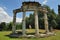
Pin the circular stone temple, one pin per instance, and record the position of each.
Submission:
(35, 7)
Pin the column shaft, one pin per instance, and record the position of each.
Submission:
(46, 22)
(24, 24)
(36, 23)
(14, 23)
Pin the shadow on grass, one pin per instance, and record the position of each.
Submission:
(18, 34)
(14, 35)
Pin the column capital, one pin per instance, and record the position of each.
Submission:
(24, 10)
(40, 9)
(45, 10)
(14, 12)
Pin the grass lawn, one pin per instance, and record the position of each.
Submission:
(3, 37)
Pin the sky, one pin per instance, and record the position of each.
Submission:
(10, 5)
(4, 17)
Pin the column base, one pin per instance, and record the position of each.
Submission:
(51, 33)
(37, 35)
(24, 35)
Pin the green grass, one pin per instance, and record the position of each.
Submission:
(3, 37)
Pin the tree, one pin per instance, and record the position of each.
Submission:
(9, 26)
(30, 21)
(3, 26)
(58, 21)
(51, 19)
(18, 26)
(40, 19)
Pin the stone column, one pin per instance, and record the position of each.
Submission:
(14, 22)
(24, 24)
(46, 22)
(36, 23)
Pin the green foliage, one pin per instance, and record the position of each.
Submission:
(30, 21)
(3, 26)
(51, 18)
(58, 21)
(18, 25)
(9, 26)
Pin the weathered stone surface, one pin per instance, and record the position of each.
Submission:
(24, 24)
(36, 23)
(14, 22)
(46, 22)
(51, 34)
(30, 36)
(31, 6)
(43, 35)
